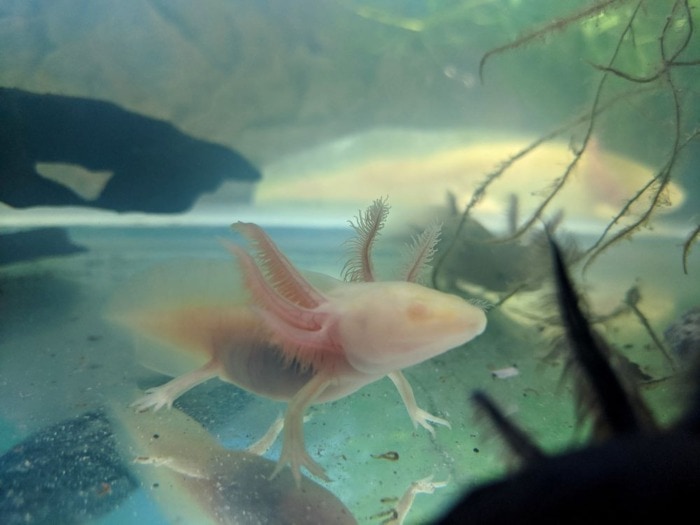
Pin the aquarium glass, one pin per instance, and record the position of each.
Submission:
(402, 160)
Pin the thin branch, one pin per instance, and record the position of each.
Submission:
(686, 247)
(661, 179)
(671, 47)
(590, 119)
(632, 299)
(556, 25)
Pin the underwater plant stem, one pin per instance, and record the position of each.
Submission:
(661, 180)
(594, 111)
(686, 247)
(663, 177)
(480, 191)
(556, 25)
(675, 38)
(667, 61)
(509, 294)
(491, 177)
(632, 304)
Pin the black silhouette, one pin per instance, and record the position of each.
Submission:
(637, 472)
(156, 168)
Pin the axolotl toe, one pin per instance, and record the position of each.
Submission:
(307, 338)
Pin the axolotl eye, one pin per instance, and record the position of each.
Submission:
(404, 325)
(418, 311)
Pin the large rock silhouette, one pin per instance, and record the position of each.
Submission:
(153, 166)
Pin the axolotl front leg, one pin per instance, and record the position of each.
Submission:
(418, 415)
(294, 451)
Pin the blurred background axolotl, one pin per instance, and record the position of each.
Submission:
(302, 338)
(199, 481)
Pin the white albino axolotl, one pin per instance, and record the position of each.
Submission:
(308, 338)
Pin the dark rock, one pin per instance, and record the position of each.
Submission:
(683, 336)
(155, 167)
(34, 244)
(67, 473)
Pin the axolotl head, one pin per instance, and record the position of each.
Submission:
(387, 326)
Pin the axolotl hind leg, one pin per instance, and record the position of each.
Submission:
(164, 395)
(293, 448)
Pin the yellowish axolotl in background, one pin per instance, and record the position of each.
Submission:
(302, 338)
(194, 479)
(199, 481)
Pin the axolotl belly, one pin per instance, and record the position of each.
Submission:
(304, 338)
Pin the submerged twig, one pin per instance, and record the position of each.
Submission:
(673, 42)
(632, 298)
(686, 247)
(556, 25)
(667, 61)
(588, 118)
(494, 175)
(663, 177)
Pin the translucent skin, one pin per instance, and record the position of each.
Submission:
(307, 339)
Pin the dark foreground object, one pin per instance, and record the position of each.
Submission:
(637, 473)
(647, 479)
(156, 168)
